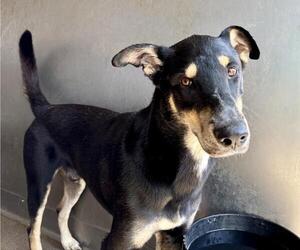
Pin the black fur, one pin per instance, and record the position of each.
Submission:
(136, 164)
(30, 75)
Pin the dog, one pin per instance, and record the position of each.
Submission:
(146, 168)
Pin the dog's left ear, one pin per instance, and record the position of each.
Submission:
(241, 40)
(149, 56)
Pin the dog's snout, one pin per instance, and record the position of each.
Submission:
(233, 136)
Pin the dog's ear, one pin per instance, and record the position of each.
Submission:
(241, 40)
(149, 56)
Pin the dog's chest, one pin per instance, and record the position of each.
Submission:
(187, 196)
(166, 222)
(190, 177)
(174, 209)
(177, 212)
(145, 228)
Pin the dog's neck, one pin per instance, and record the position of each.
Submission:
(171, 149)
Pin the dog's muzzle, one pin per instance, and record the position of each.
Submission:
(234, 136)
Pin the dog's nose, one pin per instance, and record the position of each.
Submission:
(232, 136)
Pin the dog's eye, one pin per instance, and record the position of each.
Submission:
(185, 81)
(232, 71)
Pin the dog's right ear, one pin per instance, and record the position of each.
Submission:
(149, 56)
(241, 40)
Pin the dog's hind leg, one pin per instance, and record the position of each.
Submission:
(36, 214)
(41, 166)
(73, 188)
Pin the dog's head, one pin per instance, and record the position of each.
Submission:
(202, 79)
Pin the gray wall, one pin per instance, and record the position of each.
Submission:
(74, 43)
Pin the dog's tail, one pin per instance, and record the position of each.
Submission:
(36, 98)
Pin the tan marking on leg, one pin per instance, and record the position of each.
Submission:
(35, 231)
(141, 233)
(223, 60)
(143, 230)
(166, 242)
(191, 70)
(72, 192)
(159, 240)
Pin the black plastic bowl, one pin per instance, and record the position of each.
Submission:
(239, 232)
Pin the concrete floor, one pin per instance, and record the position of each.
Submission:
(14, 236)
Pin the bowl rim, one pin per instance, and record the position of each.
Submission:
(227, 221)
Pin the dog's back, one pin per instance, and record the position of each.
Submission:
(73, 127)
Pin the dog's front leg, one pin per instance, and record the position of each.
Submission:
(116, 239)
(126, 234)
(170, 240)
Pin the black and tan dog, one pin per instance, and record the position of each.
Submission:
(147, 168)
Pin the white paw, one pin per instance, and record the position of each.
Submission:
(35, 243)
(70, 244)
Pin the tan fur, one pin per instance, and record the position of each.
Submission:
(151, 62)
(72, 192)
(172, 104)
(191, 120)
(164, 223)
(240, 44)
(192, 143)
(152, 65)
(159, 241)
(165, 242)
(223, 60)
(244, 56)
(191, 70)
(142, 234)
(35, 233)
(239, 104)
(193, 123)
(132, 55)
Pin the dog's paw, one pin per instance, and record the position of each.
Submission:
(70, 244)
